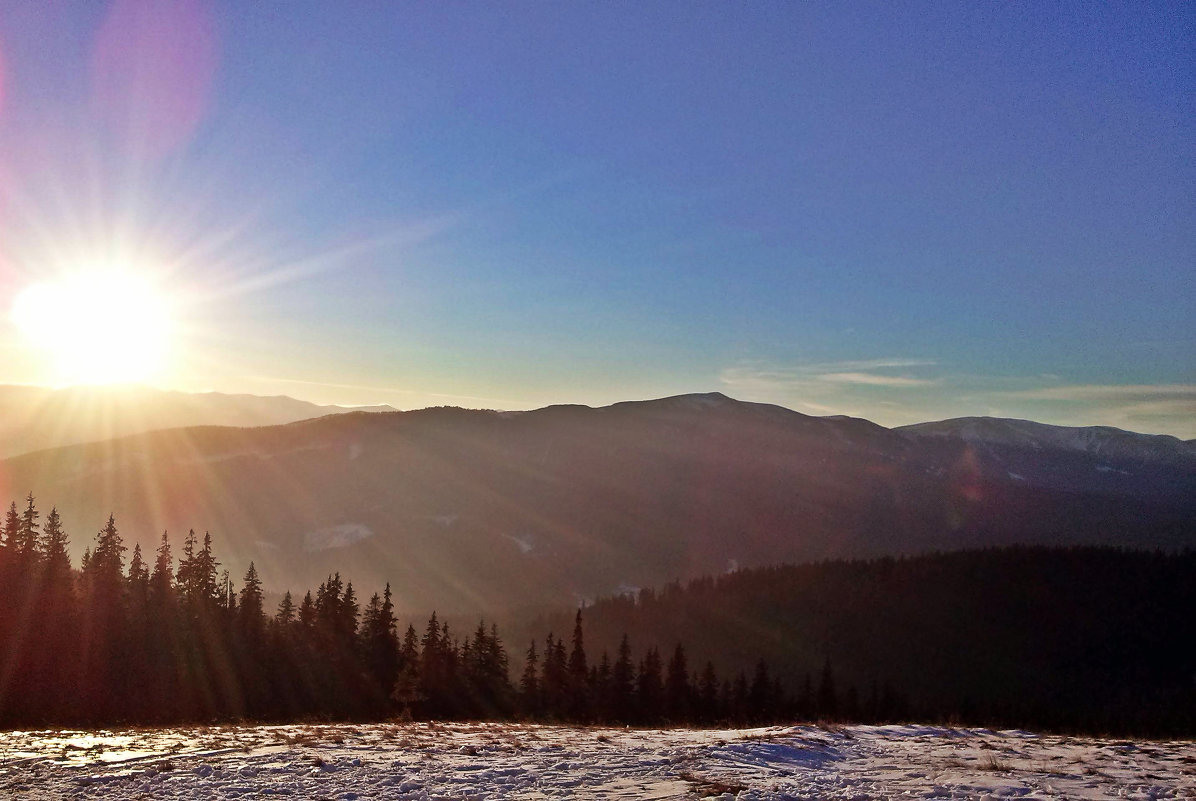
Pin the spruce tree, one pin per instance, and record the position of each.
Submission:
(600, 688)
(107, 558)
(622, 686)
(738, 708)
(380, 643)
(138, 572)
(28, 534)
(578, 681)
(161, 580)
(12, 527)
(407, 693)
(55, 555)
(138, 588)
(708, 686)
(346, 619)
(649, 687)
(433, 667)
(52, 668)
(250, 615)
(307, 613)
(285, 615)
(529, 686)
(676, 687)
(103, 625)
(760, 701)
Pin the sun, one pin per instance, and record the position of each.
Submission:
(97, 325)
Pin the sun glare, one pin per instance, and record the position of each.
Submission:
(97, 326)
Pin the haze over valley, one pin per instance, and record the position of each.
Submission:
(471, 510)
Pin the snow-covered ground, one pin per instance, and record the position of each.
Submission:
(490, 761)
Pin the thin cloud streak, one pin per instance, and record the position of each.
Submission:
(872, 364)
(816, 377)
(901, 399)
(871, 379)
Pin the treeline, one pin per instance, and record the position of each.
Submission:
(1081, 639)
(130, 639)
(1089, 639)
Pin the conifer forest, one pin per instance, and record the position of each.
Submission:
(169, 637)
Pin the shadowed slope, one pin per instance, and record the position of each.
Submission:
(468, 510)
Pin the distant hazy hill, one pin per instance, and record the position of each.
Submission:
(33, 418)
(465, 510)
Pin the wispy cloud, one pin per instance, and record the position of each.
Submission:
(815, 377)
(874, 380)
(871, 364)
(895, 391)
(848, 387)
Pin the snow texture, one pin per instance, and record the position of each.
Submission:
(335, 537)
(421, 762)
(525, 543)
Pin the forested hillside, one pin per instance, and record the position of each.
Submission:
(1091, 638)
(162, 640)
(1088, 639)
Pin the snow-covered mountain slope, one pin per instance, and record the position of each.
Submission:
(1103, 441)
(1087, 459)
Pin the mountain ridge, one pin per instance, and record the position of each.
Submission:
(36, 418)
(480, 509)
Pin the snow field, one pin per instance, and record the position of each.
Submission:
(421, 762)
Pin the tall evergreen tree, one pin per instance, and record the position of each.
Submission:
(307, 612)
(55, 555)
(578, 681)
(529, 685)
(380, 642)
(622, 683)
(107, 557)
(54, 676)
(407, 693)
(285, 616)
(649, 687)
(197, 575)
(28, 534)
(433, 668)
(12, 527)
(250, 615)
(161, 579)
(103, 624)
(760, 696)
(708, 686)
(676, 686)
(346, 620)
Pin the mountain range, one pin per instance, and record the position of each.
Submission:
(465, 510)
(34, 418)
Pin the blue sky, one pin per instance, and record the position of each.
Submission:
(898, 211)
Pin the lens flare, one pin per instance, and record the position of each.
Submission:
(97, 326)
